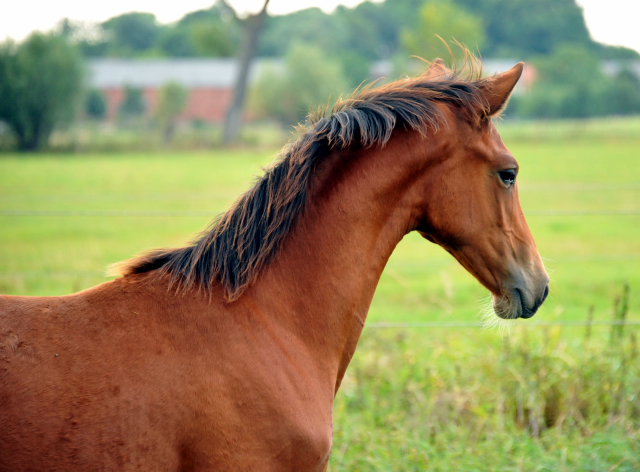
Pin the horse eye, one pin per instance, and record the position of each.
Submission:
(508, 177)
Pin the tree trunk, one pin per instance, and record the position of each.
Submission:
(253, 25)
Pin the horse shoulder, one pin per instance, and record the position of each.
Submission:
(261, 395)
(187, 377)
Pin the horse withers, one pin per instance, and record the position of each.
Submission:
(226, 354)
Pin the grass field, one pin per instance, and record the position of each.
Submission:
(414, 399)
(588, 256)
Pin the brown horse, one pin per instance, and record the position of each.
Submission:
(226, 355)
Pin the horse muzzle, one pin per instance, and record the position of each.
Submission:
(520, 300)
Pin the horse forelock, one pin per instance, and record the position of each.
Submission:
(242, 241)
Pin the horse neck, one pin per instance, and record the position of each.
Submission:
(360, 206)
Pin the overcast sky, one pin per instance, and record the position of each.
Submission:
(610, 21)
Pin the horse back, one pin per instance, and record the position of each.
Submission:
(129, 375)
(68, 372)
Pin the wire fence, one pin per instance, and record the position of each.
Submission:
(135, 213)
(85, 198)
(479, 324)
(226, 193)
(55, 274)
(195, 213)
(186, 213)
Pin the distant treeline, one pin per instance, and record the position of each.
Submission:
(549, 34)
(371, 31)
(324, 55)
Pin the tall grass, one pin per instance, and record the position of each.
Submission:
(538, 399)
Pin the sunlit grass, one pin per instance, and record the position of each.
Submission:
(422, 399)
(588, 256)
(541, 399)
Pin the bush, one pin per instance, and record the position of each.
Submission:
(623, 96)
(445, 400)
(172, 100)
(448, 21)
(133, 104)
(308, 80)
(573, 85)
(40, 83)
(95, 105)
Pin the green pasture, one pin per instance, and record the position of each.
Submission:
(589, 256)
(430, 398)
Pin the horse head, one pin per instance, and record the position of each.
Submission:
(472, 208)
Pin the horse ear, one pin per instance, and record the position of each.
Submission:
(436, 69)
(497, 89)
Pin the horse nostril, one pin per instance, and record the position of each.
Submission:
(522, 310)
(544, 295)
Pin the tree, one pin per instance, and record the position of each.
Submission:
(213, 32)
(133, 104)
(370, 30)
(131, 33)
(624, 93)
(571, 84)
(526, 28)
(252, 27)
(95, 104)
(447, 20)
(172, 100)
(310, 79)
(40, 84)
(214, 39)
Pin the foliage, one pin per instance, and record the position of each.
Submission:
(572, 166)
(214, 39)
(211, 32)
(571, 84)
(421, 399)
(542, 32)
(623, 97)
(356, 36)
(450, 22)
(311, 26)
(511, 28)
(541, 399)
(131, 33)
(40, 82)
(171, 101)
(371, 31)
(523, 28)
(95, 104)
(308, 80)
(133, 103)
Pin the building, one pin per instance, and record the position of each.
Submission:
(380, 69)
(210, 83)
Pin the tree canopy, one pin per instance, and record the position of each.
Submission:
(171, 101)
(440, 21)
(326, 54)
(370, 31)
(211, 32)
(40, 83)
(307, 80)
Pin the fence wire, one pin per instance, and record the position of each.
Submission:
(479, 324)
(432, 264)
(225, 193)
(195, 213)
(186, 213)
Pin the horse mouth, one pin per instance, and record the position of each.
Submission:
(514, 304)
(507, 307)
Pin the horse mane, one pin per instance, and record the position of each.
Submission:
(239, 243)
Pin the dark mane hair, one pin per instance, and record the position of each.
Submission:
(242, 241)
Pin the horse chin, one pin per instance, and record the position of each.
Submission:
(507, 307)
